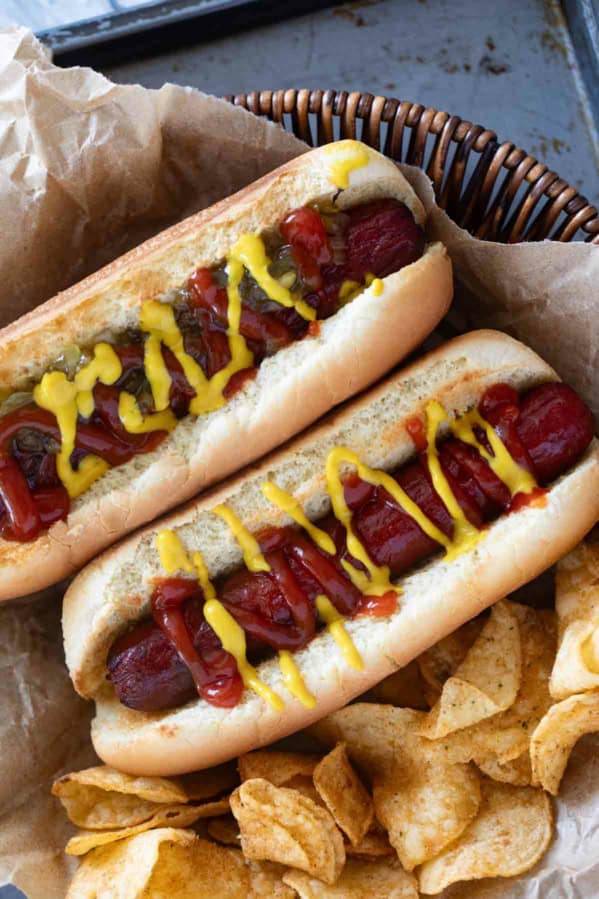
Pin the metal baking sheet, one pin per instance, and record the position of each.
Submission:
(102, 31)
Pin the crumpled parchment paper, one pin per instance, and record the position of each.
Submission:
(88, 169)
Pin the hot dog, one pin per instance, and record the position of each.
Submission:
(204, 348)
(279, 597)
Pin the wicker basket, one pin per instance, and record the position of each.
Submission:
(494, 190)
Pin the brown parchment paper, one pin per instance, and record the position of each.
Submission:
(88, 169)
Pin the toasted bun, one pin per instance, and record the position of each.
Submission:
(293, 388)
(115, 589)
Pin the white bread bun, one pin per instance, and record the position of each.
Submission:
(361, 342)
(437, 597)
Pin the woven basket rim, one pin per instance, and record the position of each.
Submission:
(463, 197)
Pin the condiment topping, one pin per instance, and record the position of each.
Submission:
(345, 159)
(334, 622)
(252, 557)
(190, 356)
(232, 637)
(381, 525)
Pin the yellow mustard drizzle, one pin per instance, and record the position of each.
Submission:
(158, 321)
(68, 399)
(334, 622)
(378, 583)
(171, 553)
(252, 557)
(290, 506)
(465, 535)
(349, 290)
(58, 395)
(232, 637)
(294, 681)
(135, 423)
(105, 367)
(203, 576)
(345, 158)
(375, 284)
(515, 478)
(251, 253)
(173, 557)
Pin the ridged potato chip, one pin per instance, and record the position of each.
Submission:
(576, 667)
(103, 798)
(506, 736)
(165, 816)
(368, 730)
(423, 800)
(445, 657)
(374, 844)
(486, 681)
(405, 688)
(344, 794)
(558, 732)
(381, 879)
(281, 825)
(510, 834)
(518, 771)
(173, 864)
(277, 767)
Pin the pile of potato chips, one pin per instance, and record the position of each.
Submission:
(439, 774)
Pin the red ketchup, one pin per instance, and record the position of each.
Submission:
(376, 238)
(213, 670)
(378, 606)
(547, 429)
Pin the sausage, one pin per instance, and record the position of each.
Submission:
(548, 428)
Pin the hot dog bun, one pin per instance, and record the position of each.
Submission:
(438, 597)
(293, 388)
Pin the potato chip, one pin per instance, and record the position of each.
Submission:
(404, 688)
(281, 825)
(428, 810)
(103, 798)
(510, 834)
(344, 794)
(277, 767)
(518, 771)
(224, 830)
(506, 736)
(165, 816)
(367, 729)
(374, 844)
(423, 800)
(576, 667)
(174, 864)
(381, 879)
(555, 737)
(445, 657)
(122, 870)
(487, 680)
(211, 782)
